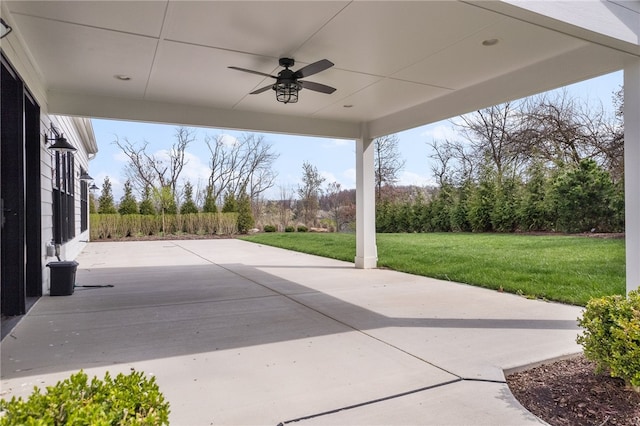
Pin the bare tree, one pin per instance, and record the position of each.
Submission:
(333, 193)
(309, 192)
(553, 129)
(564, 130)
(388, 162)
(616, 151)
(221, 174)
(243, 165)
(444, 156)
(453, 162)
(492, 135)
(285, 205)
(156, 171)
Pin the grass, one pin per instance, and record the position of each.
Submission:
(561, 268)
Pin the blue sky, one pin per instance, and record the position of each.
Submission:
(334, 159)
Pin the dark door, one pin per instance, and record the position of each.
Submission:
(12, 181)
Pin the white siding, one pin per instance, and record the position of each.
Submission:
(77, 131)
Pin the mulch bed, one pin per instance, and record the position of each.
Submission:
(569, 392)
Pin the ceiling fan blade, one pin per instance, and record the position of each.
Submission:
(252, 72)
(322, 88)
(262, 89)
(313, 68)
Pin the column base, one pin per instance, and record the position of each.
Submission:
(366, 262)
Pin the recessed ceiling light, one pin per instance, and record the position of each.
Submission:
(490, 42)
(122, 77)
(348, 106)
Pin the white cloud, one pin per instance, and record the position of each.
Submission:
(411, 178)
(330, 143)
(117, 186)
(440, 132)
(228, 140)
(194, 170)
(328, 177)
(405, 178)
(120, 157)
(350, 177)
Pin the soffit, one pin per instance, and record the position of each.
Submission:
(391, 58)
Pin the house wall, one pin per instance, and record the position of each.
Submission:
(72, 128)
(78, 132)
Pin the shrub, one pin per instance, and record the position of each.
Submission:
(150, 224)
(302, 228)
(227, 223)
(128, 204)
(582, 198)
(269, 228)
(128, 399)
(245, 216)
(289, 229)
(612, 336)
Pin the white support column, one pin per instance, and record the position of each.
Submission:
(366, 251)
(632, 171)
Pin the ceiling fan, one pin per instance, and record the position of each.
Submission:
(288, 82)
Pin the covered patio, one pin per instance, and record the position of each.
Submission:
(398, 65)
(240, 333)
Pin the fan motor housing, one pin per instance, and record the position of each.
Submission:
(286, 62)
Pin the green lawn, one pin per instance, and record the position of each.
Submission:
(561, 268)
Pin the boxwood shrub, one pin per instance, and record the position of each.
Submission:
(269, 228)
(302, 228)
(289, 229)
(611, 336)
(126, 400)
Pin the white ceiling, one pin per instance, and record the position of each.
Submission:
(398, 64)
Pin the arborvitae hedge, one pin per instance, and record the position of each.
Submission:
(580, 199)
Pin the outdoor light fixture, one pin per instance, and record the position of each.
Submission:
(287, 91)
(93, 187)
(5, 29)
(85, 176)
(60, 143)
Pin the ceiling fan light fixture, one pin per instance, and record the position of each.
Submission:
(288, 82)
(287, 92)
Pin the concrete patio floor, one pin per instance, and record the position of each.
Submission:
(241, 333)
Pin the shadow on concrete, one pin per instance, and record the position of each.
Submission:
(159, 312)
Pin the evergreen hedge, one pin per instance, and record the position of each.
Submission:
(577, 199)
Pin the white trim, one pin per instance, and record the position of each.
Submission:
(366, 250)
(94, 106)
(632, 172)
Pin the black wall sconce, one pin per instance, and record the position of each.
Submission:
(5, 28)
(60, 143)
(85, 176)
